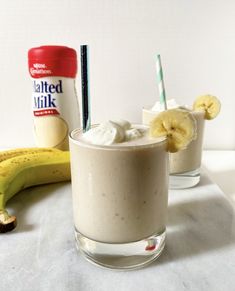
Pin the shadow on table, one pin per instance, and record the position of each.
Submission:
(24, 200)
(225, 180)
(201, 213)
(198, 227)
(204, 180)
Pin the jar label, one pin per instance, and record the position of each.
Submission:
(53, 101)
(45, 95)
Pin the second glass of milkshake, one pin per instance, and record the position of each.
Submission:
(120, 194)
(185, 164)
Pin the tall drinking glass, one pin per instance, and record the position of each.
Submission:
(120, 195)
(185, 164)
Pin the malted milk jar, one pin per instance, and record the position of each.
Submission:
(55, 106)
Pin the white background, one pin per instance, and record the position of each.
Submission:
(196, 40)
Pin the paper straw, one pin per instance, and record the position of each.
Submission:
(160, 81)
(86, 116)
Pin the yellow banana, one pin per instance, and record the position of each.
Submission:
(4, 155)
(28, 170)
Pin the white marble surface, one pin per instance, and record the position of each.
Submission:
(220, 166)
(41, 255)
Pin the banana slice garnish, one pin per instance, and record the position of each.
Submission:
(209, 104)
(178, 125)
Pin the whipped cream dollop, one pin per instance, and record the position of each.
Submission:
(111, 132)
(171, 104)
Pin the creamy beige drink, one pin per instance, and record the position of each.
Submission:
(120, 187)
(188, 159)
(185, 159)
(119, 183)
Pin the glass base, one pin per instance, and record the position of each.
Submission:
(184, 180)
(124, 256)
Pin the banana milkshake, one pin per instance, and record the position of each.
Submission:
(189, 159)
(120, 193)
(185, 164)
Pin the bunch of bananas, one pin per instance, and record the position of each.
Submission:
(26, 167)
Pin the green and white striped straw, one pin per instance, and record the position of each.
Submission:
(160, 81)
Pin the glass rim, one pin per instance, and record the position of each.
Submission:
(148, 109)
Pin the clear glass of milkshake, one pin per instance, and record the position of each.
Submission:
(184, 164)
(120, 194)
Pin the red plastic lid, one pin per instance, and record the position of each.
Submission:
(52, 60)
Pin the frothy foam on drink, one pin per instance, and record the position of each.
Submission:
(112, 132)
(171, 104)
